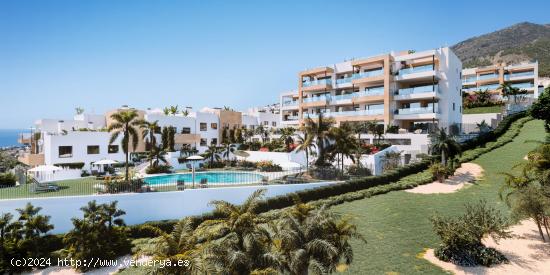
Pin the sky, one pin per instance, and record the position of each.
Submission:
(99, 55)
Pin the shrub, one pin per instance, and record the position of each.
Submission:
(357, 170)
(71, 165)
(121, 186)
(439, 171)
(215, 165)
(246, 164)
(461, 236)
(158, 169)
(268, 166)
(7, 180)
(100, 234)
(122, 165)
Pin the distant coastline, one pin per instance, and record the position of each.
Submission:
(8, 137)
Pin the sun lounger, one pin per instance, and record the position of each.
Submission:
(203, 183)
(43, 187)
(180, 184)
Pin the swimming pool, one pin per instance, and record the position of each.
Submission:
(212, 178)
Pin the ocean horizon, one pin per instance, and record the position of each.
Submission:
(8, 137)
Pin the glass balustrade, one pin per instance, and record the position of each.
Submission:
(327, 81)
(418, 110)
(419, 69)
(418, 90)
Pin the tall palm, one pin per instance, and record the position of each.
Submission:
(212, 153)
(305, 144)
(156, 154)
(345, 144)
(262, 132)
(149, 129)
(228, 149)
(174, 110)
(320, 130)
(287, 136)
(444, 144)
(125, 122)
(483, 126)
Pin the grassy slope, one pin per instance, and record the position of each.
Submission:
(482, 110)
(396, 224)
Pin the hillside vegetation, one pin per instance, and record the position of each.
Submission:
(518, 43)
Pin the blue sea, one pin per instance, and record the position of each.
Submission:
(8, 137)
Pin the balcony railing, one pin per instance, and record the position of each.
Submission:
(349, 113)
(372, 73)
(487, 76)
(419, 69)
(290, 103)
(343, 97)
(522, 74)
(371, 92)
(291, 118)
(317, 98)
(317, 82)
(419, 110)
(469, 79)
(418, 90)
(526, 85)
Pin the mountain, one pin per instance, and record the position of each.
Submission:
(520, 42)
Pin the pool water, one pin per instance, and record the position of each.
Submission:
(211, 177)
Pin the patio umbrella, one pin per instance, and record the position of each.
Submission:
(105, 162)
(241, 153)
(193, 159)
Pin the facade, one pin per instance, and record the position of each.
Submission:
(523, 76)
(411, 90)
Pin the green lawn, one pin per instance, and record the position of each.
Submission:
(396, 224)
(483, 110)
(74, 187)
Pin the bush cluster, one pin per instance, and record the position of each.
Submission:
(214, 165)
(158, 169)
(7, 180)
(268, 166)
(71, 165)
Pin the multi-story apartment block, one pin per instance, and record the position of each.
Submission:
(411, 90)
(523, 76)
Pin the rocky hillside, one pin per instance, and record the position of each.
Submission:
(520, 42)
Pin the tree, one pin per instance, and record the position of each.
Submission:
(156, 155)
(164, 138)
(166, 111)
(212, 153)
(444, 144)
(100, 234)
(345, 144)
(174, 110)
(262, 132)
(541, 108)
(225, 134)
(149, 129)
(171, 139)
(287, 135)
(239, 135)
(483, 126)
(228, 149)
(305, 144)
(79, 110)
(34, 226)
(185, 112)
(320, 130)
(125, 122)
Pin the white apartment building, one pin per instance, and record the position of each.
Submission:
(414, 91)
(523, 76)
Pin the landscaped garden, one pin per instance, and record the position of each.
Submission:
(398, 233)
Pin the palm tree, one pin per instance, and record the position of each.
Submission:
(185, 112)
(166, 110)
(156, 154)
(306, 144)
(345, 144)
(262, 132)
(483, 126)
(320, 130)
(444, 144)
(228, 149)
(286, 136)
(125, 123)
(149, 129)
(174, 110)
(212, 153)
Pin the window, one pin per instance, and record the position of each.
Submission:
(214, 126)
(453, 106)
(203, 126)
(65, 151)
(113, 149)
(274, 124)
(93, 149)
(399, 141)
(251, 127)
(203, 141)
(214, 141)
(186, 130)
(266, 123)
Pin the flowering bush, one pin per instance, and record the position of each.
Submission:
(268, 166)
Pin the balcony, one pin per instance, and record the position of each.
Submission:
(362, 77)
(374, 112)
(318, 84)
(429, 112)
(31, 159)
(414, 70)
(291, 118)
(343, 97)
(487, 77)
(526, 85)
(417, 92)
(316, 98)
(469, 79)
(529, 74)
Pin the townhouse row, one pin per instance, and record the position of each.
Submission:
(84, 138)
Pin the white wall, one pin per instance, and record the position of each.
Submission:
(450, 86)
(490, 118)
(210, 133)
(279, 158)
(175, 121)
(143, 207)
(80, 140)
